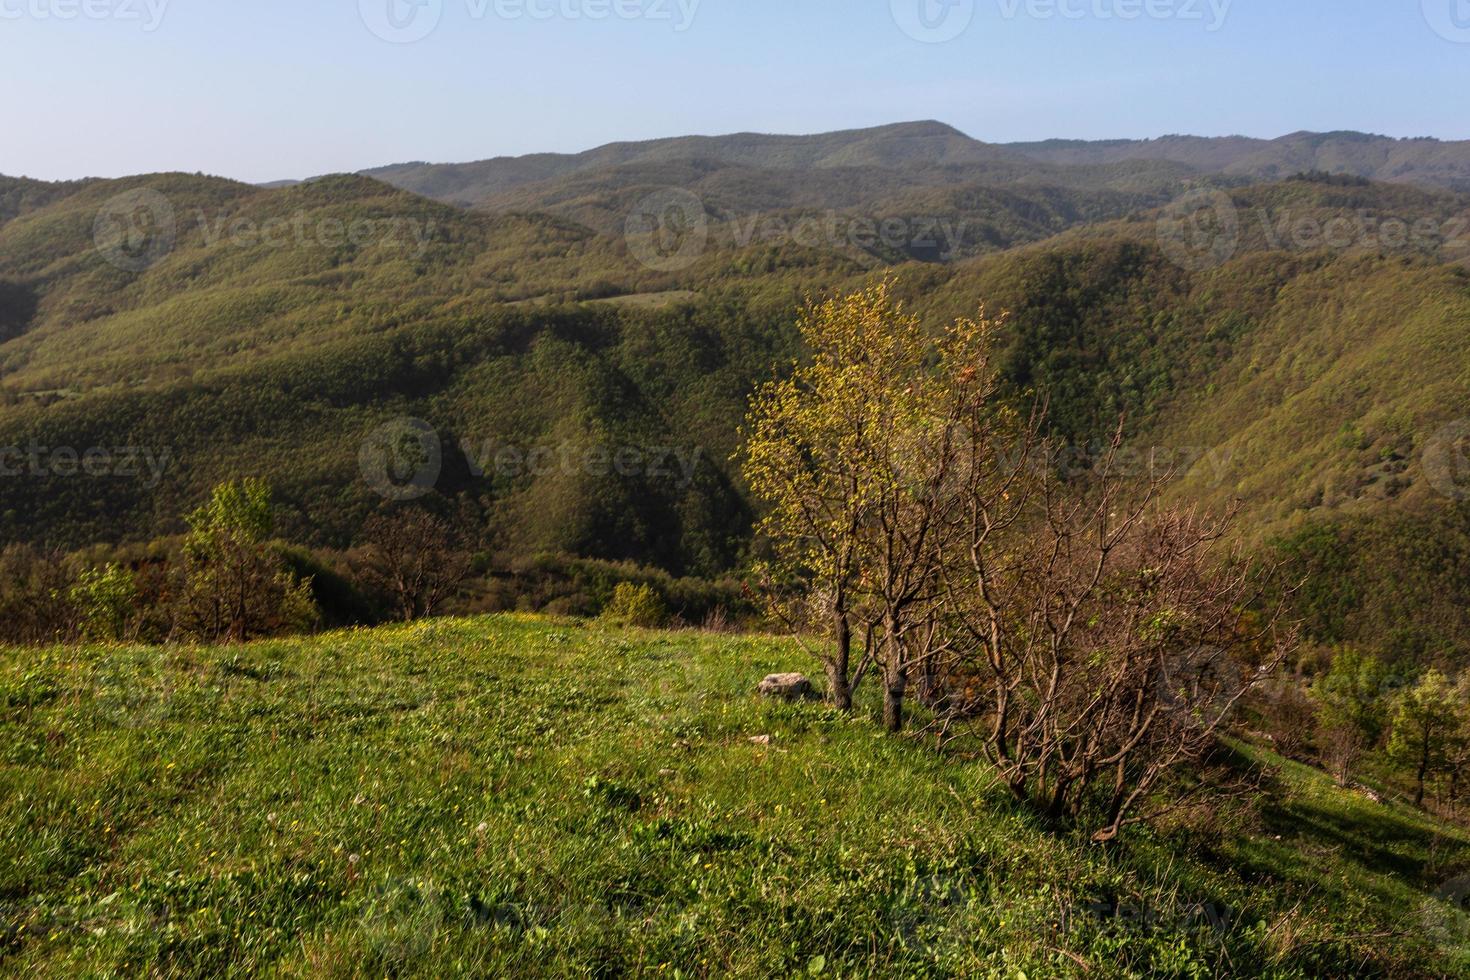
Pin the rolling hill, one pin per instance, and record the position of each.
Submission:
(887, 147)
(1427, 162)
(935, 154)
(1304, 369)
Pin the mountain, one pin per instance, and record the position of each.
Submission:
(905, 144)
(20, 195)
(1425, 161)
(744, 184)
(844, 165)
(1303, 370)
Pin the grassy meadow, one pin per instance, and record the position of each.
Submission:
(528, 796)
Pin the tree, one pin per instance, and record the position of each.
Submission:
(1102, 639)
(235, 584)
(853, 455)
(417, 559)
(1459, 747)
(105, 600)
(1350, 709)
(1090, 639)
(1425, 729)
(35, 594)
(636, 605)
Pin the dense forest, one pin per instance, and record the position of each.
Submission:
(574, 401)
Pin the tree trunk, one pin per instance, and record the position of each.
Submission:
(837, 668)
(1423, 769)
(893, 691)
(896, 677)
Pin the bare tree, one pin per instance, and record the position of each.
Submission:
(1104, 641)
(417, 559)
(34, 596)
(1341, 746)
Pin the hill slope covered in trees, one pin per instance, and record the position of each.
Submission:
(1304, 370)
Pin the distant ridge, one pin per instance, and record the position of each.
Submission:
(926, 143)
(1426, 161)
(930, 144)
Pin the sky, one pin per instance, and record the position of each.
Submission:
(270, 89)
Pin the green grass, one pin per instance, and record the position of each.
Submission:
(513, 796)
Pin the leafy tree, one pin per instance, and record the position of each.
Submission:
(636, 605)
(106, 601)
(1425, 729)
(853, 454)
(236, 585)
(1351, 709)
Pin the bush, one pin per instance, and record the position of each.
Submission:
(106, 600)
(636, 605)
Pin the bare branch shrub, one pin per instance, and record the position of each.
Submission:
(415, 558)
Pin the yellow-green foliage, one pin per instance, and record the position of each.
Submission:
(852, 421)
(635, 605)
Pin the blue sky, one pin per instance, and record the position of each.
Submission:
(265, 89)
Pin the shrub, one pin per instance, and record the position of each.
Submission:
(106, 601)
(636, 605)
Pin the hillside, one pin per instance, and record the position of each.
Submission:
(237, 351)
(19, 195)
(1427, 162)
(922, 143)
(521, 796)
(935, 154)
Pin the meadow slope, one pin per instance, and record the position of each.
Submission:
(527, 796)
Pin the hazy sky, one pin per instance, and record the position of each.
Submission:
(265, 89)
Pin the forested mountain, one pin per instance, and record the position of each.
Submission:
(1428, 162)
(1301, 358)
(19, 195)
(856, 165)
(887, 147)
